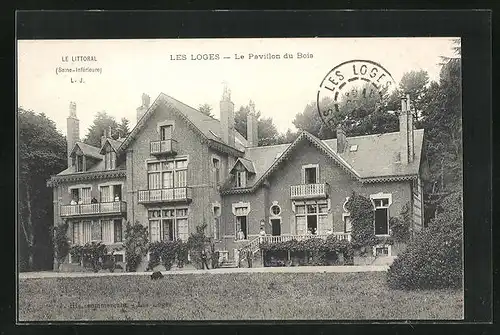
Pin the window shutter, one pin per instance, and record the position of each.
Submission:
(301, 225)
(292, 225)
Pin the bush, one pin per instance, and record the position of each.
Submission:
(163, 252)
(313, 251)
(93, 255)
(61, 243)
(76, 252)
(362, 217)
(136, 245)
(433, 259)
(400, 226)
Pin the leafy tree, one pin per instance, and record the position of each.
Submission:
(206, 109)
(102, 121)
(310, 121)
(441, 119)
(433, 259)
(415, 83)
(197, 242)
(123, 128)
(61, 243)
(42, 153)
(136, 245)
(266, 130)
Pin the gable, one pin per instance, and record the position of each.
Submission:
(206, 127)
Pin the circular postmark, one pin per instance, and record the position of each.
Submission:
(355, 88)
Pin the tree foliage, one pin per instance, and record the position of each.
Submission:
(61, 243)
(42, 153)
(266, 129)
(102, 122)
(206, 109)
(197, 242)
(136, 245)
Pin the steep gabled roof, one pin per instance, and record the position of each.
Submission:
(115, 144)
(88, 150)
(247, 164)
(205, 126)
(290, 149)
(375, 158)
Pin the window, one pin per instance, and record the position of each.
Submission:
(167, 174)
(241, 227)
(80, 163)
(166, 132)
(76, 232)
(96, 233)
(216, 167)
(353, 147)
(110, 159)
(118, 230)
(107, 231)
(310, 174)
(241, 179)
(216, 223)
(82, 195)
(168, 224)
(346, 217)
(110, 193)
(311, 218)
(275, 210)
(381, 251)
(381, 203)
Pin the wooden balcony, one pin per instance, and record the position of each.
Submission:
(309, 191)
(164, 147)
(178, 194)
(100, 208)
(285, 238)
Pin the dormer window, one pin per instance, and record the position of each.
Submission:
(241, 179)
(110, 160)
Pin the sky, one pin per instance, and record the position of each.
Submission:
(280, 88)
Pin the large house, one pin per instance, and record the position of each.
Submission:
(179, 168)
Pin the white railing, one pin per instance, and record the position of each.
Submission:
(308, 190)
(285, 238)
(97, 208)
(164, 146)
(166, 194)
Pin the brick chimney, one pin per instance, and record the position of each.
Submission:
(227, 117)
(252, 127)
(341, 139)
(144, 107)
(73, 130)
(406, 131)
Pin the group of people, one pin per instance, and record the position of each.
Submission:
(92, 201)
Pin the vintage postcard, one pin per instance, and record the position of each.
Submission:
(240, 179)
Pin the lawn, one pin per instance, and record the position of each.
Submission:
(234, 296)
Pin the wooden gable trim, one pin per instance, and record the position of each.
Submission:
(81, 176)
(286, 154)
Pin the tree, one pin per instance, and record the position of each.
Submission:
(441, 119)
(266, 130)
(102, 121)
(206, 109)
(310, 121)
(123, 129)
(415, 84)
(42, 153)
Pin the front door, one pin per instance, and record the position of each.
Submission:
(276, 226)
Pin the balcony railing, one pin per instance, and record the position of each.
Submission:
(309, 191)
(285, 238)
(115, 207)
(177, 194)
(163, 147)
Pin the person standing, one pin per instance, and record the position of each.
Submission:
(204, 260)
